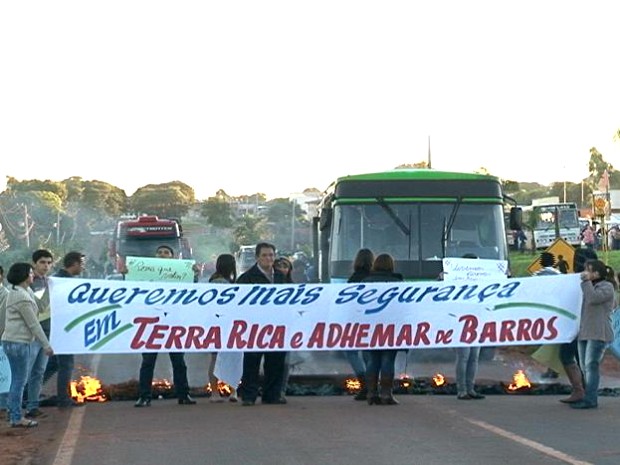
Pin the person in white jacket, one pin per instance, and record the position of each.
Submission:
(21, 327)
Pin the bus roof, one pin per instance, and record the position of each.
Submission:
(422, 174)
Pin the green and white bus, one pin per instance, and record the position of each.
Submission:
(419, 216)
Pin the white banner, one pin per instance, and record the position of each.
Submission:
(97, 316)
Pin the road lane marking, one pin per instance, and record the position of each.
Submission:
(64, 455)
(551, 452)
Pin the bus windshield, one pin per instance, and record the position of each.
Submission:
(418, 231)
(545, 216)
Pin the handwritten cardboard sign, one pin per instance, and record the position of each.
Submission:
(159, 269)
(467, 269)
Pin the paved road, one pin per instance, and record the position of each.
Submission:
(432, 429)
(337, 430)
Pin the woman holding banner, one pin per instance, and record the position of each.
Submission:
(225, 273)
(598, 284)
(362, 264)
(380, 366)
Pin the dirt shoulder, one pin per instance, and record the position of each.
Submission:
(33, 445)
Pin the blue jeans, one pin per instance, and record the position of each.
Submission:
(381, 362)
(37, 365)
(18, 354)
(466, 368)
(357, 359)
(63, 365)
(590, 356)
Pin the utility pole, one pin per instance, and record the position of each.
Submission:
(293, 226)
(26, 226)
(58, 227)
(564, 191)
(429, 153)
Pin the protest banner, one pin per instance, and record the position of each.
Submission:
(122, 317)
(159, 269)
(615, 322)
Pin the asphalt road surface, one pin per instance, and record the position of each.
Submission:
(337, 430)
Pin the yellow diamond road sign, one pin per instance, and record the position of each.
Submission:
(559, 248)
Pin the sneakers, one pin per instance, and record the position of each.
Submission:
(142, 402)
(35, 413)
(25, 423)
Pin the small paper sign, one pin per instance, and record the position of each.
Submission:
(159, 269)
(469, 269)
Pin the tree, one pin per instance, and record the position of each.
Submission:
(510, 187)
(217, 211)
(101, 195)
(282, 215)
(573, 191)
(58, 188)
(28, 217)
(596, 167)
(168, 200)
(249, 230)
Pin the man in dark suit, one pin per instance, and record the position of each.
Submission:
(263, 272)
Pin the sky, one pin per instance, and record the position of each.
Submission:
(279, 96)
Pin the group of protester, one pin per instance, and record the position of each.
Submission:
(25, 330)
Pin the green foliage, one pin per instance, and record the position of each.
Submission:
(596, 168)
(98, 194)
(250, 230)
(510, 187)
(529, 191)
(217, 211)
(280, 220)
(168, 200)
(57, 188)
(28, 213)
